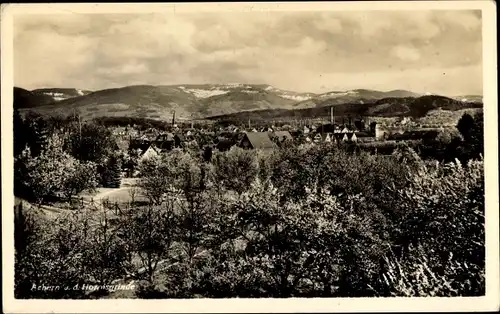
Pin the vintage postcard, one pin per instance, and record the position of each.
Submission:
(250, 157)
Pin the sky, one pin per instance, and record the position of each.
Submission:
(423, 51)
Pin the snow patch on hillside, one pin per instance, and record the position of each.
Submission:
(288, 95)
(204, 93)
(338, 94)
(63, 96)
(295, 97)
(57, 96)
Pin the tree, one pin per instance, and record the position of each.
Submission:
(476, 136)
(21, 133)
(67, 250)
(28, 226)
(104, 250)
(472, 130)
(442, 219)
(155, 178)
(112, 172)
(54, 173)
(207, 153)
(91, 142)
(80, 177)
(36, 131)
(236, 169)
(406, 155)
(465, 125)
(149, 232)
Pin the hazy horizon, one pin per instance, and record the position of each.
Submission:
(439, 52)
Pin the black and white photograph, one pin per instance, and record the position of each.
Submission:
(250, 151)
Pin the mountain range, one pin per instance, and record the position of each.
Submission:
(223, 100)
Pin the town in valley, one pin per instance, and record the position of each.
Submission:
(280, 154)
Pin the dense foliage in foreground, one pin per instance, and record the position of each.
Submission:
(296, 222)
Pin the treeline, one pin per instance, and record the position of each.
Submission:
(141, 123)
(145, 123)
(59, 120)
(297, 222)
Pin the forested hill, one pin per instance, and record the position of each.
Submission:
(386, 107)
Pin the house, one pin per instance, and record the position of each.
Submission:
(337, 137)
(232, 128)
(165, 137)
(353, 138)
(282, 136)
(406, 120)
(317, 138)
(256, 140)
(381, 132)
(151, 152)
(165, 141)
(327, 138)
(139, 146)
(349, 137)
(364, 137)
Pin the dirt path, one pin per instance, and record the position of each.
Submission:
(103, 194)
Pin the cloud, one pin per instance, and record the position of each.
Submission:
(405, 53)
(294, 50)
